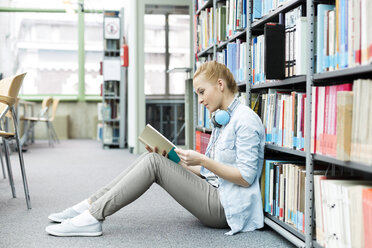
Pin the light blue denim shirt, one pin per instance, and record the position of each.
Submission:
(240, 144)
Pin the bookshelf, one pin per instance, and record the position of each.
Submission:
(114, 85)
(303, 83)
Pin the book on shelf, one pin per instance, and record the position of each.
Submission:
(283, 115)
(324, 114)
(339, 211)
(274, 50)
(263, 8)
(153, 138)
(343, 128)
(342, 121)
(284, 196)
(361, 135)
(343, 36)
(292, 18)
(367, 213)
(201, 141)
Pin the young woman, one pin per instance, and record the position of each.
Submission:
(220, 188)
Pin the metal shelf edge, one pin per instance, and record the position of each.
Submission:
(282, 230)
(285, 150)
(288, 81)
(346, 164)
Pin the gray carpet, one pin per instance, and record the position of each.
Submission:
(62, 176)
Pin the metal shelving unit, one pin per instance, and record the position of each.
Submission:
(345, 164)
(285, 150)
(299, 235)
(114, 87)
(304, 82)
(207, 4)
(258, 25)
(204, 129)
(363, 71)
(292, 81)
(231, 39)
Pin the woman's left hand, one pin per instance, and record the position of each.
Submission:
(189, 157)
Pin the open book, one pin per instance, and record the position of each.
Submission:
(153, 138)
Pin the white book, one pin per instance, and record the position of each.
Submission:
(365, 21)
(153, 138)
(301, 46)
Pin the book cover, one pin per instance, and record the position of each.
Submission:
(344, 115)
(153, 138)
(322, 8)
(274, 52)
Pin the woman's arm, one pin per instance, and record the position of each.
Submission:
(190, 158)
(194, 169)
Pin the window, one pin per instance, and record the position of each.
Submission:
(167, 46)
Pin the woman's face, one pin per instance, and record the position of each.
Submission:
(209, 93)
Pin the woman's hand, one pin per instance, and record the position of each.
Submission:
(157, 151)
(189, 157)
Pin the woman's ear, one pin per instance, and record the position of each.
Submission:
(221, 84)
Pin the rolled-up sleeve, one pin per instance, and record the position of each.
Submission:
(247, 152)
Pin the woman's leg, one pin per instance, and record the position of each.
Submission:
(191, 191)
(117, 179)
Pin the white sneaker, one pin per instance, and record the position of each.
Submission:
(67, 229)
(64, 215)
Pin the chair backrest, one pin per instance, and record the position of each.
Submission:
(54, 108)
(45, 106)
(10, 87)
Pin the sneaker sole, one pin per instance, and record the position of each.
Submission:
(55, 219)
(94, 234)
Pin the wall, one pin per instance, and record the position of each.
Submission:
(80, 118)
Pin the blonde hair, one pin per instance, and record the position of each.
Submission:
(212, 71)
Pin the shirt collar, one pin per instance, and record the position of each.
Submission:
(235, 102)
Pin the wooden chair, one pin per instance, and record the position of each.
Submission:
(30, 122)
(9, 89)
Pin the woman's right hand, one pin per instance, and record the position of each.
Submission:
(157, 151)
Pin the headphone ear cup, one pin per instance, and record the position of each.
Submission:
(215, 123)
(222, 117)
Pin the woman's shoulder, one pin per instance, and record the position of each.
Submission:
(246, 117)
(245, 113)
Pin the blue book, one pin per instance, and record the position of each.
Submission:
(320, 50)
(343, 38)
(254, 60)
(257, 9)
(231, 57)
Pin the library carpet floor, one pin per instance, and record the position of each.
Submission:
(62, 176)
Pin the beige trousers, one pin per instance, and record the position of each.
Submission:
(192, 192)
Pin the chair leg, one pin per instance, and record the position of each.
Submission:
(9, 167)
(21, 162)
(2, 162)
(49, 135)
(54, 132)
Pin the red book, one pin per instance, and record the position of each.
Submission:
(197, 141)
(367, 217)
(324, 146)
(315, 104)
(303, 121)
(331, 137)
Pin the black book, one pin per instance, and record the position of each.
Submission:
(274, 51)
